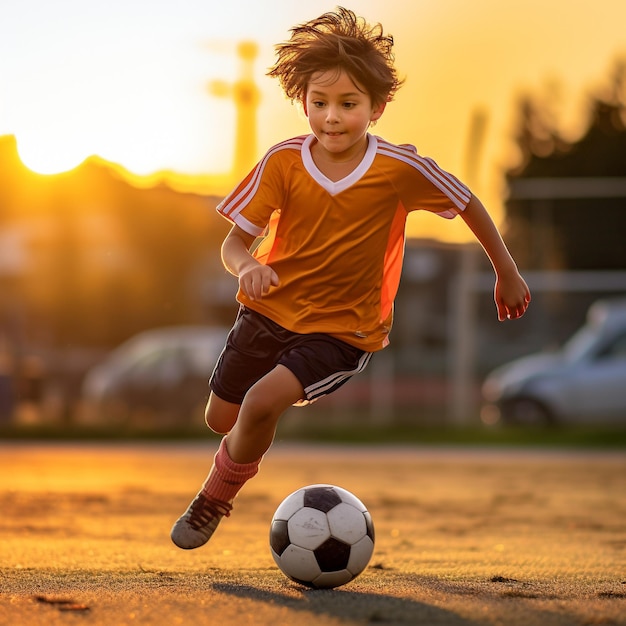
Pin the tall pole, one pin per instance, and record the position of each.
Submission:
(246, 96)
(463, 298)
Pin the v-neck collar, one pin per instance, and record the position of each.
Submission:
(335, 187)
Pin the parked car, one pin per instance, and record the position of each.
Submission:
(158, 376)
(582, 383)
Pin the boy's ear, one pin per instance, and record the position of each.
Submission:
(378, 111)
(304, 107)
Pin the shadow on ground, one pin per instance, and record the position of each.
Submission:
(368, 608)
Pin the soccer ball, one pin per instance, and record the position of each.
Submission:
(322, 536)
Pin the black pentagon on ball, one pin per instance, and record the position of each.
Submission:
(279, 536)
(306, 583)
(321, 498)
(333, 555)
(369, 524)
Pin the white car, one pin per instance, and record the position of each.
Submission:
(583, 383)
(161, 373)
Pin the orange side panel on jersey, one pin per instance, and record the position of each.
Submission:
(262, 253)
(392, 268)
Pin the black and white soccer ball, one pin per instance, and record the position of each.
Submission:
(322, 536)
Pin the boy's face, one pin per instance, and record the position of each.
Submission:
(340, 113)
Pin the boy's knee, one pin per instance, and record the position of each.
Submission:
(275, 392)
(215, 424)
(220, 416)
(256, 405)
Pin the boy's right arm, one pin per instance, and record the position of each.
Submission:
(255, 278)
(511, 292)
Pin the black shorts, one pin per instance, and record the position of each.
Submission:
(256, 345)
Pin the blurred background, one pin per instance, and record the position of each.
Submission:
(123, 124)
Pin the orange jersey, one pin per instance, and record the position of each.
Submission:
(337, 247)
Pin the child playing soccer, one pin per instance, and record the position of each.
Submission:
(317, 293)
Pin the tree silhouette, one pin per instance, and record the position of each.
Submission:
(567, 202)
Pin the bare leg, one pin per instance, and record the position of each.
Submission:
(254, 429)
(220, 416)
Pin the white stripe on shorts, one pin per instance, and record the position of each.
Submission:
(325, 386)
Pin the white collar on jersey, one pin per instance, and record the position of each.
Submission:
(335, 187)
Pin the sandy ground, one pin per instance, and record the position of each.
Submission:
(463, 537)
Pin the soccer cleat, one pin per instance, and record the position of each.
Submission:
(198, 523)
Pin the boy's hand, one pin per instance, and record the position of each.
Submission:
(256, 280)
(512, 296)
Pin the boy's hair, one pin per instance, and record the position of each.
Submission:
(337, 41)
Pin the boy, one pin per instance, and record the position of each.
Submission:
(317, 294)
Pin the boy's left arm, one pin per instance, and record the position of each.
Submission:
(511, 292)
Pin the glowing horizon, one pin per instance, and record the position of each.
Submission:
(217, 184)
(130, 84)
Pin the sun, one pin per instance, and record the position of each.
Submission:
(47, 153)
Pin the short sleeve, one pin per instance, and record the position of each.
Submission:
(261, 193)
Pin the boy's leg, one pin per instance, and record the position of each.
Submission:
(265, 402)
(238, 457)
(220, 416)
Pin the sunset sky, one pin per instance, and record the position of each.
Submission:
(128, 79)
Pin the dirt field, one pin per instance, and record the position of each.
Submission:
(463, 537)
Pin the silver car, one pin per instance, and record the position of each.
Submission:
(160, 375)
(583, 383)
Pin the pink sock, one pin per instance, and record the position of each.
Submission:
(226, 477)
